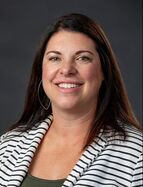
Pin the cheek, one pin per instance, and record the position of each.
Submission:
(90, 75)
(44, 72)
(47, 73)
(93, 74)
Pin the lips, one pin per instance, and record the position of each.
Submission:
(68, 85)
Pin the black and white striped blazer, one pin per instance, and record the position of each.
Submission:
(108, 161)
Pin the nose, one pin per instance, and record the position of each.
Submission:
(68, 69)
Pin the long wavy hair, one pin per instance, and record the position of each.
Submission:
(113, 103)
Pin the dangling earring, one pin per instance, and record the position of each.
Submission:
(46, 108)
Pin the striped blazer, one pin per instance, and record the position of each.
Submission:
(108, 161)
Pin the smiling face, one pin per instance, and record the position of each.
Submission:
(71, 72)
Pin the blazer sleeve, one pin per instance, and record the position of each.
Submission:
(137, 180)
(3, 146)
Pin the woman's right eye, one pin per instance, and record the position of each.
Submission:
(54, 59)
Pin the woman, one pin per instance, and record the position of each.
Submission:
(77, 128)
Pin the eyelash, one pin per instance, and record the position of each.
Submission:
(80, 58)
(54, 58)
(84, 58)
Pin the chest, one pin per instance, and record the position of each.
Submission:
(54, 162)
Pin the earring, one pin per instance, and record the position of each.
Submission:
(46, 108)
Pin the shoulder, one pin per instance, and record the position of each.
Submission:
(13, 135)
(15, 138)
(17, 133)
(8, 143)
(133, 134)
(130, 147)
(116, 160)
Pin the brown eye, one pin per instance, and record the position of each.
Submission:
(54, 59)
(84, 59)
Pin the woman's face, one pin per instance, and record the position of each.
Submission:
(71, 71)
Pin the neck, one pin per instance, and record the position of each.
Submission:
(72, 126)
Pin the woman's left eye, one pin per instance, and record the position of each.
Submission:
(84, 59)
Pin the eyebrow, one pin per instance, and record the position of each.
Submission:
(78, 52)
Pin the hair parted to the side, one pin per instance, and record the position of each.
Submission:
(113, 103)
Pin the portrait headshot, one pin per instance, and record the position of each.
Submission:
(71, 94)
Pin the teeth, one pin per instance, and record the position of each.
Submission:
(65, 85)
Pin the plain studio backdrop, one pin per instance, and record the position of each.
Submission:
(23, 22)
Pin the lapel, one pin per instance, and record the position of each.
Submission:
(24, 151)
(86, 160)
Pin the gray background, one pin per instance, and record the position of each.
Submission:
(22, 24)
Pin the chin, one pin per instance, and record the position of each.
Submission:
(67, 106)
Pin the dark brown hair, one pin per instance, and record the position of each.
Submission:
(113, 103)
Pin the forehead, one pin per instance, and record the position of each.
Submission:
(70, 39)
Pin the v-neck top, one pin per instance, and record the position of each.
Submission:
(107, 161)
(32, 181)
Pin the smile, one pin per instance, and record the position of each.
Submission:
(68, 85)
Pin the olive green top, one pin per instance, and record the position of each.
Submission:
(31, 181)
